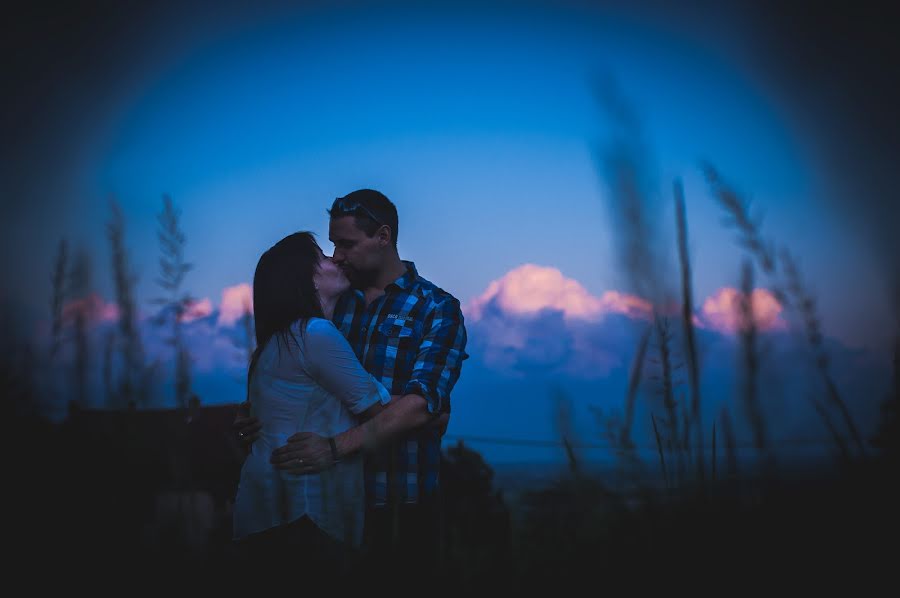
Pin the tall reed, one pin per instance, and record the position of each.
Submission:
(131, 389)
(58, 298)
(661, 451)
(731, 456)
(807, 306)
(176, 304)
(82, 314)
(634, 383)
(748, 332)
(673, 443)
(791, 293)
(687, 319)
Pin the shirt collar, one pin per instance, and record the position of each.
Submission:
(407, 279)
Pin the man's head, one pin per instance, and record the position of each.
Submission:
(363, 229)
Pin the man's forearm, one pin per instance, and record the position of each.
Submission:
(403, 415)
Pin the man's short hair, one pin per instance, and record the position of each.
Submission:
(370, 210)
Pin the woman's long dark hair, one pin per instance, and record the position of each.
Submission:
(284, 291)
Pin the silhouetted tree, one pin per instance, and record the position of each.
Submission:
(476, 520)
(176, 305)
(131, 389)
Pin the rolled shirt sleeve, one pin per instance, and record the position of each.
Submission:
(440, 355)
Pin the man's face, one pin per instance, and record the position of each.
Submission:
(358, 255)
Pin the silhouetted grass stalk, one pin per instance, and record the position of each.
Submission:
(687, 317)
(807, 306)
(17, 373)
(672, 444)
(176, 306)
(832, 429)
(897, 369)
(660, 450)
(82, 313)
(634, 383)
(796, 296)
(750, 353)
(750, 237)
(58, 298)
(109, 346)
(564, 424)
(687, 445)
(131, 388)
(623, 163)
(730, 444)
(887, 436)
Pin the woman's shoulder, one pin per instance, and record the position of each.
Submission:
(316, 328)
(320, 340)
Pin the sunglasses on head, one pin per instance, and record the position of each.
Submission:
(348, 206)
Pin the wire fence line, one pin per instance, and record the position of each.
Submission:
(821, 442)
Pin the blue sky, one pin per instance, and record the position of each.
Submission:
(480, 123)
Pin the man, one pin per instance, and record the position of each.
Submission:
(410, 335)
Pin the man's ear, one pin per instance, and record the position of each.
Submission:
(384, 235)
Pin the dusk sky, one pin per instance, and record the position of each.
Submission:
(482, 124)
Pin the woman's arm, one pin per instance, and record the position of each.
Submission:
(308, 452)
(332, 364)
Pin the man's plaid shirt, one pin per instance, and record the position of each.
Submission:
(412, 339)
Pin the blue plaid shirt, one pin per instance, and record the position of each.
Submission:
(412, 339)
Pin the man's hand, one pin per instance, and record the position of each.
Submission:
(305, 452)
(246, 427)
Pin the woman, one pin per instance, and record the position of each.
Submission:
(303, 377)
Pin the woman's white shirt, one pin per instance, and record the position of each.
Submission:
(312, 383)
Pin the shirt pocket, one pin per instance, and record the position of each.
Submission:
(400, 331)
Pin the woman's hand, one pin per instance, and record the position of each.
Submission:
(246, 427)
(304, 453)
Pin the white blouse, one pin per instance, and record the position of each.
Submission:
(314, 383)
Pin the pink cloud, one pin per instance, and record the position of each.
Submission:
(629, 305)
(93, 307)
(198, 309)
(514, 338)
(528, 289)
(721, 311)
(234, 301)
